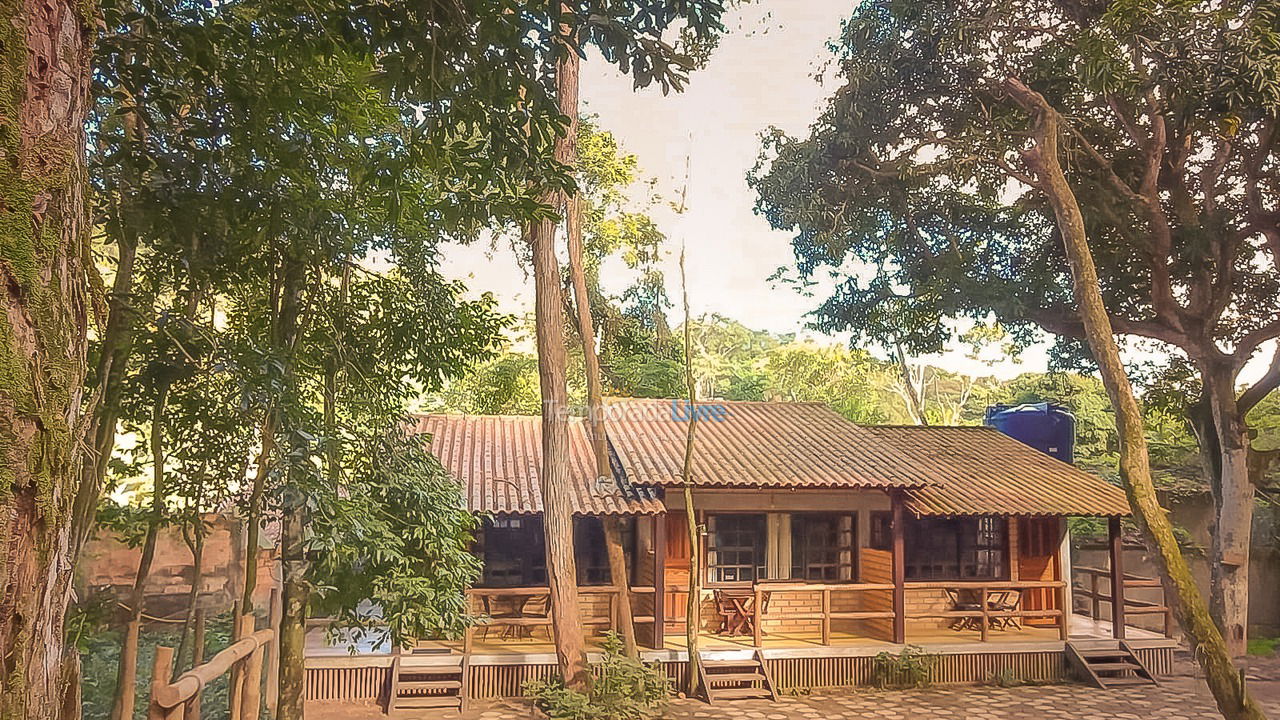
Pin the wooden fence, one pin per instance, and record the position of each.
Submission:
(180, 699)
(1099, 579)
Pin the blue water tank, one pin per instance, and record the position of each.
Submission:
(1046, 427)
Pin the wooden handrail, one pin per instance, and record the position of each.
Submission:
(978, 585)
(543, 589)
(169, 699)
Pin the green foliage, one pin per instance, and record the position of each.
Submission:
(623, 689)
(912, 667)
(397, 536)
(910, 188)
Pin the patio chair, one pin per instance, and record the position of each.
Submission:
(962, 604)
(536, 606)
(511, 610)
(1007, 601)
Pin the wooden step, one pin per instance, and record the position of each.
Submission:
(1112, 666)
(425, 702)
(1103, 653)
(749, 693)
(1095, 664)
(1122, 681)
(733, 664)
(428, 685)
(734, 677)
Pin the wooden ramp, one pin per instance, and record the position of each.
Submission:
(420, 686)
(1107, 663)
(738, 679)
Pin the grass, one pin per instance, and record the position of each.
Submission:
(1264, 647)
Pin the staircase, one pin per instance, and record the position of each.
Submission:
(744, 679)
(1108, 663)
(420, 682)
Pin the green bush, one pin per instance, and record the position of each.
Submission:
(913, 667)
(623, 689)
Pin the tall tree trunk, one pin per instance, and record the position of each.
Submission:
(557, 509)
(194, 539)
(568, 98)
(693, 609)
(1207, 645)
(45, 266)
(127, 670)
(115, 350)
(1233, 496)
(296, 595)
(253, 517)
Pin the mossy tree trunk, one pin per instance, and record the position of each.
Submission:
(45, 271)
(1042, 158)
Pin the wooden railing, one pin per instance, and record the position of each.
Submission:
(1090, 590)
(825, 615)
(985, 613)
(180, 699)
(610, 619)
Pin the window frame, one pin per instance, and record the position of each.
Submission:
(713, 550)
(803, 547)
(968, 536)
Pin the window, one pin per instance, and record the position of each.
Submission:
(513, 552)
(956, 548)
(591, 552)
(736, 548)
(822, 547)
(881, 530)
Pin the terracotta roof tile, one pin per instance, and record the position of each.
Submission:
(499, 457)
(752, 444)
(979, 470)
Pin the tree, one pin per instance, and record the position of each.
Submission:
(49, 282)
(1041, 158)
(913, 171)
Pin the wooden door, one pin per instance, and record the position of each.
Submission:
(676, 575)
(1039, 542)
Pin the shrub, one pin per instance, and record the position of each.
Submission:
(1005, 677)
(912, 667)
(623, 689)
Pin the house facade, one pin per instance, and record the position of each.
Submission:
(823, 543)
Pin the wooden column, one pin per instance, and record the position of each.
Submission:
(659, 580)
(898, 529)
(1117, 578)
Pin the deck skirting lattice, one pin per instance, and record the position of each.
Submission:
(794, 674)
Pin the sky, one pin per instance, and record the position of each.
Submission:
(764, 73)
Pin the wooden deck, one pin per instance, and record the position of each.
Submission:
(537, 648)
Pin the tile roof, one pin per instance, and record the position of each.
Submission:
(752, 444)
(942, 470)
(979, 470)
(498, 459)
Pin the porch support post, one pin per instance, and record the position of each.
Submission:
(1117, 578)
(659, 579)
(1066, 601)
(898, 529)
